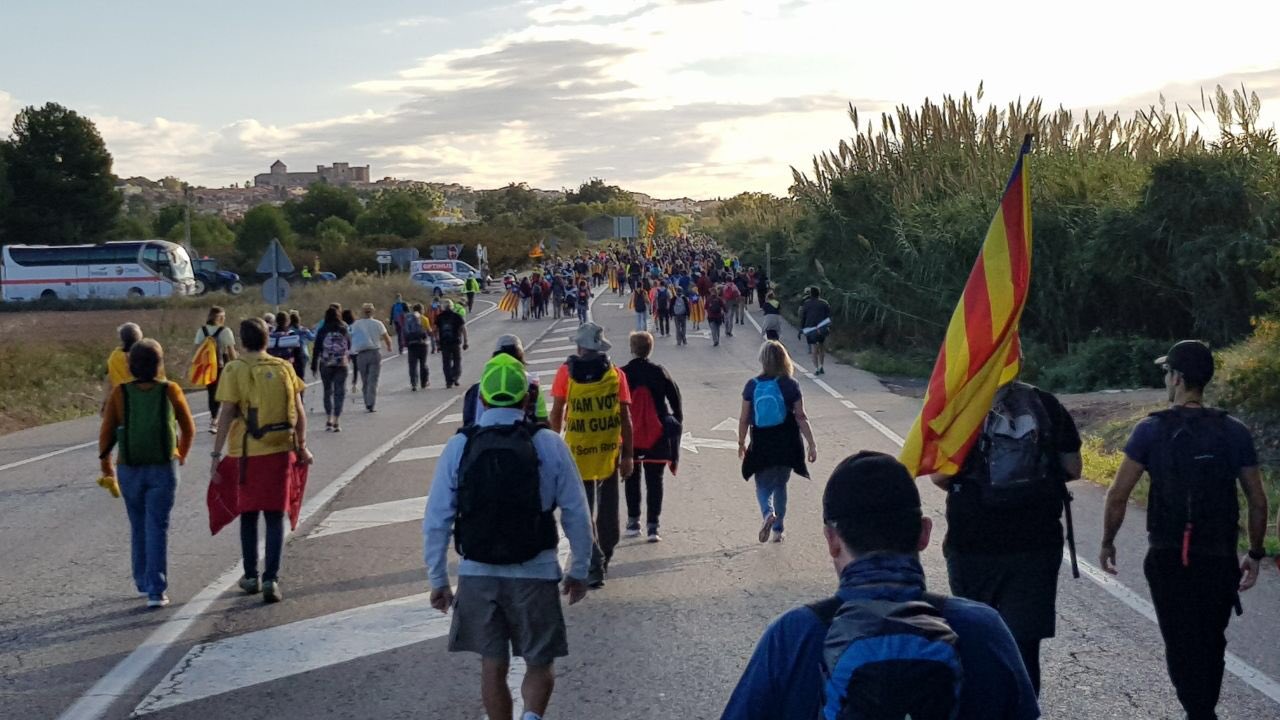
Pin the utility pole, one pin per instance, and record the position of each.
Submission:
(186, 233)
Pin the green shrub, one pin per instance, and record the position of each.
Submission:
(1098, 363)
(1248, 379)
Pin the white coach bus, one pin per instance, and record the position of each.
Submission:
(128, 268)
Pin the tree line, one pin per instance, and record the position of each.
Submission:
(1144, 229)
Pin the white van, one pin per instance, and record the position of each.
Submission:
(457, 268)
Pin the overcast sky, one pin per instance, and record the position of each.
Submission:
(670, 97)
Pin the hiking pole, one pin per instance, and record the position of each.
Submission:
(1071, 533)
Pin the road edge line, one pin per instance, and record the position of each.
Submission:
(113, 686)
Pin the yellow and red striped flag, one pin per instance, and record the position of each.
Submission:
(982, 351)
(651, 227)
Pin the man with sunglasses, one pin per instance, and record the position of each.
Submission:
(1195, 457)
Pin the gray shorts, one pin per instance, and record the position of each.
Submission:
(500, 617)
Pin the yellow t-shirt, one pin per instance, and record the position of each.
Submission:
(118, 368)
(233, 386)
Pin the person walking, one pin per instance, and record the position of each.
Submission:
(147, 420)
(1015, 478)
(367, 334)
(557, 297)
(451, 336)
(733, 306)
(744, 296)
(496, 488)
(715, 315)
(416, 330)
(656, 418)
(333, 350)
(662, 308)
(263, 426)
(535, 407)
(308, 338)
(118, 359)
(874, 530)
(224, 342)
(398, 311)
(773, 415)
(1195, 456)
(590, 403)
(772, 323)
(583, 301)
(640, 305)
(349, 319)
(472, 286)
(680, 313)
(815, 323)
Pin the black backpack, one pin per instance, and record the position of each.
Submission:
(889, 660)
(1013, 463)
(500, 519)
(1192, 505)
(448, 329)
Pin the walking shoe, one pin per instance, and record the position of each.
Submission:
(413, 388)
(250, 585)
(653, 534)
(777, 536)
(369, 408)
(633, 528)
(328, 427)
(271, 591)
(157, 601)
(767, 527)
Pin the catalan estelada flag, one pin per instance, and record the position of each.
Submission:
(981, 351)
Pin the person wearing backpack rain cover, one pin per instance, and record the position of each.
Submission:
(496, 487)
(1004, 536)
(1195, 456)
(882, 647)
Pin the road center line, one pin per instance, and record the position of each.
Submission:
(116, 684)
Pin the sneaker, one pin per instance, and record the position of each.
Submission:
(328, 427)
(767, 527)
(336, 428)
(633, 528)
(413, 388)
(777, 536)
(250, 585)
(213, 428)
(595, 577)
(271, 591)
(653, 535)
(157, 601)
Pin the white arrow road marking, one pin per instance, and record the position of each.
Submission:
(254, 658)
(450, 418)
(419, 453)
(727, 425)
(371, 516)
(691, 443)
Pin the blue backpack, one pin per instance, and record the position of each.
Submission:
(767, 405)
(885, 659)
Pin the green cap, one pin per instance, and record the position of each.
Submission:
(503, 382)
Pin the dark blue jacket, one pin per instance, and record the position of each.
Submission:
(783, 679)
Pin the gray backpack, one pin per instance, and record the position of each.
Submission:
(1015, 450)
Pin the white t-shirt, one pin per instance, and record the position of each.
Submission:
(226, 339)
(366, 333)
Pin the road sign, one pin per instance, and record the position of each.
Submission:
(384, 257)
(275, 290)
(275, 260)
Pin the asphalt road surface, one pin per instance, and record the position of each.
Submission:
(667, 637)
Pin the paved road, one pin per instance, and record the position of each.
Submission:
(666, 638)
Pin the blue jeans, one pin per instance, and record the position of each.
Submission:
(771, 492)
(148, 492)
(642, 321)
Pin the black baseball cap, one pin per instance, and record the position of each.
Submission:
(869, 486)
(1192, 358)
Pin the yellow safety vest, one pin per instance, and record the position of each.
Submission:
(593, 426)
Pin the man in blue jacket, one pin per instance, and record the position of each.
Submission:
(875, 531)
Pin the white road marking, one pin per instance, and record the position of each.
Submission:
(830, 390)
(691, 443)
(557, 360)
(557, 348)
(211, 669)
(726, 425)
(371, 516)
(1250, 675)
(419, 453)
(450, 418)
(120, 679)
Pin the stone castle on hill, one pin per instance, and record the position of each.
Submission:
(336, 174)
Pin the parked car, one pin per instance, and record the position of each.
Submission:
(210, 278)
(437, 281)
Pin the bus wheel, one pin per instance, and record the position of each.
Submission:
(48, 295)
(135, 292)
(200, 287)
(235, 288)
